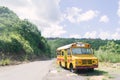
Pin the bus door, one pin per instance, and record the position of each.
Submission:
(69, 55)
(65, 55)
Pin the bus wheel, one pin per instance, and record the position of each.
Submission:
(71, 68)
(60, 64)
(91, 69)
(65, 65)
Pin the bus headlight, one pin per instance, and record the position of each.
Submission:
(94, 61)
(78, 62)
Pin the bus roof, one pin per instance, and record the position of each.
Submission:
(65, 47)
(70, 45)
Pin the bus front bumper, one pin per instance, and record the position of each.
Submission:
(86, 67)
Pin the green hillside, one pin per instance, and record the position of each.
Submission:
(20, 39)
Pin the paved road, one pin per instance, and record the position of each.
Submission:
(31, 71)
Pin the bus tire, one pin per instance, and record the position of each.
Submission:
(91, 69)
(60, 64)
(65, 65)
(71, 68)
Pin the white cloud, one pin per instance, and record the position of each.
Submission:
(118, 12)
(89, 15)
(74, 36)
(104, 35)
(118, 29)
(43, 9)
(53, 30)
(45, 14)
(110, 35)
(104, 19)
(92, 34)
(75, 15)
(72, 14)
(20, 7)
(116, 36)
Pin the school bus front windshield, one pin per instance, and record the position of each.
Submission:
(81, 51)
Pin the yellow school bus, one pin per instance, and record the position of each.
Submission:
(76, 56)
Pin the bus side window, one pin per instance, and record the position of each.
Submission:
(58, 53)
(69, 52)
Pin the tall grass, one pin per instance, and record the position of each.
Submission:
(107, 56)
(4, 62)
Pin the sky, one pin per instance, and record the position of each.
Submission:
(70, 18)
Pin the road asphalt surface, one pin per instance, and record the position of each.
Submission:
(29, 71)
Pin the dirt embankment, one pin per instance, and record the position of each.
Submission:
(106, 71)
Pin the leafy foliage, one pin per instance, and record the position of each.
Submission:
(111, 46)
(109, 52)
(20, 37)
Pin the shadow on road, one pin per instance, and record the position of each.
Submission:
(90, 73)
(84, 72)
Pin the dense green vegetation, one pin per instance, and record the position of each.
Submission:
(105, 50)
(20, 39)
(109, 52)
